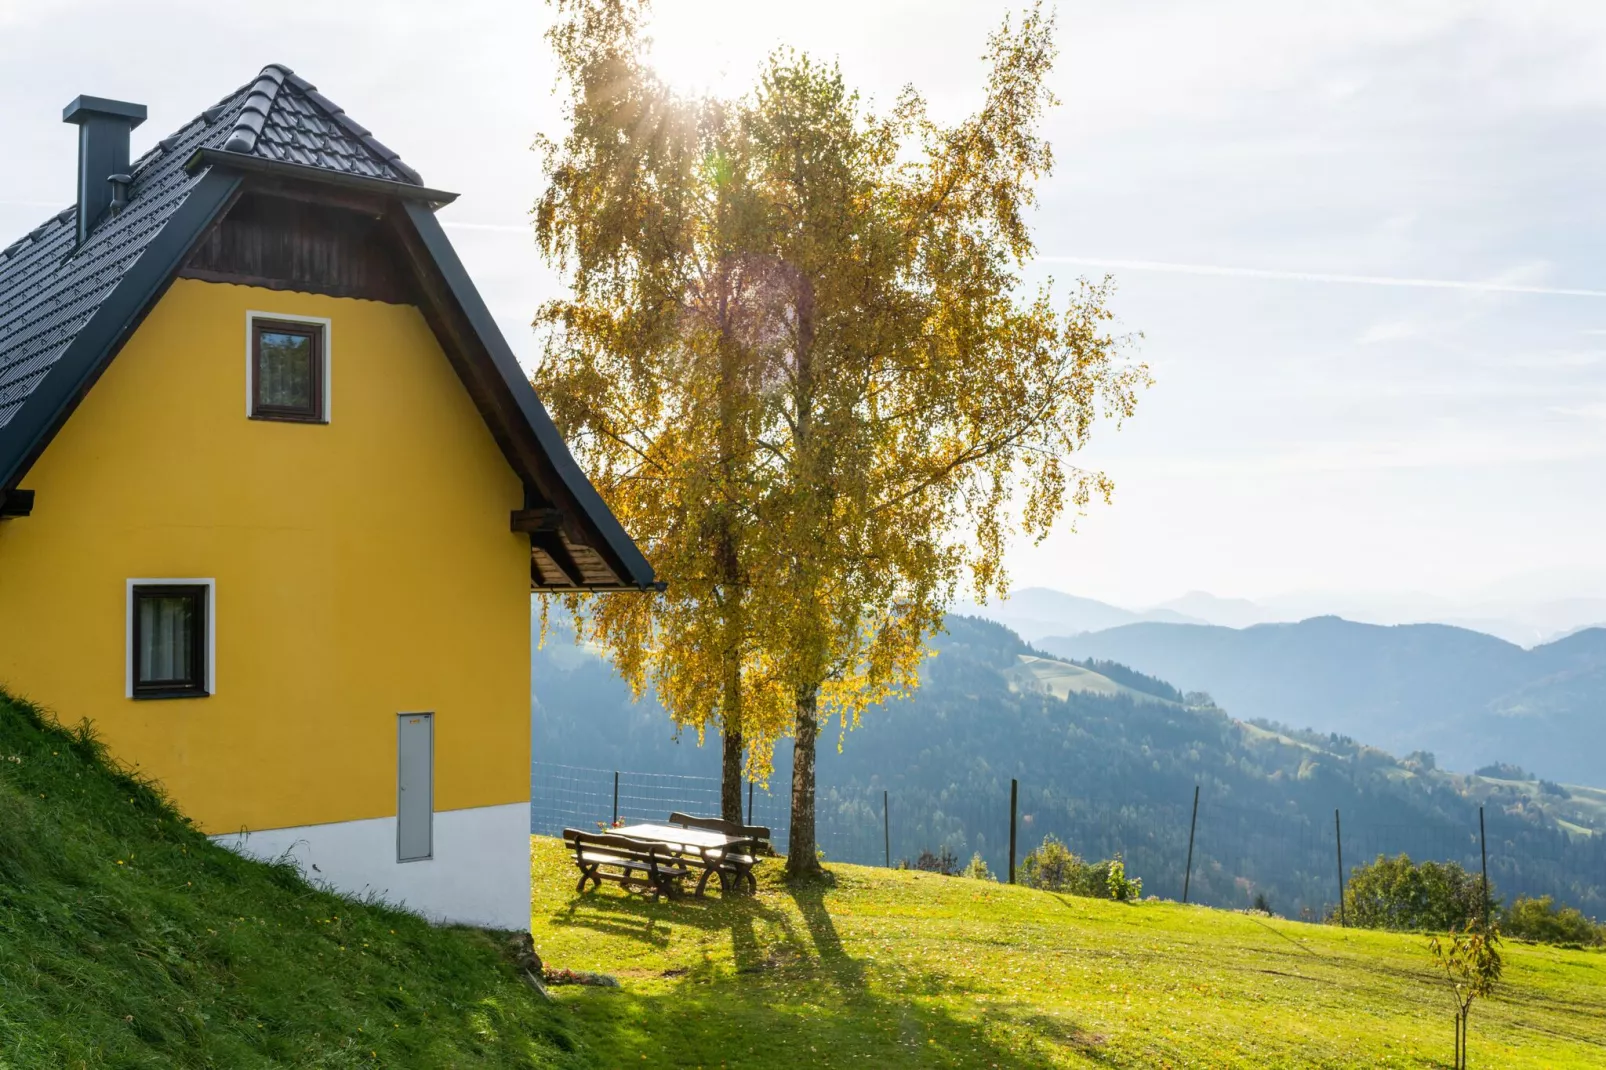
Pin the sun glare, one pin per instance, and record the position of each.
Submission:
(711, 46)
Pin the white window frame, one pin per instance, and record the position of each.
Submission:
(211, 628)
(328, 356)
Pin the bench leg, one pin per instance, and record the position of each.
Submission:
(586, 873)
(702, 882)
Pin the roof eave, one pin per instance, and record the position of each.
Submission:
(628, 562)
(114, 319)
(237, 161)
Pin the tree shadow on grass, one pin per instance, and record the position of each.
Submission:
(809, 895)
(796, 997)
(652, 922)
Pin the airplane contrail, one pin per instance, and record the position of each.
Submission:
(505, 228)
(1231, 272)
(1318, 276)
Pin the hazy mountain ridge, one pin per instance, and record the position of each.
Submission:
(1038, 612)
(1468, 697)
(1107, 769)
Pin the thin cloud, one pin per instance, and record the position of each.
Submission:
(1588, 411)
(1318, 276)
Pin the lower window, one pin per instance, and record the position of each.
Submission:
(169, 640)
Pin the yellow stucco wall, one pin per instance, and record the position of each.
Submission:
(363, 568)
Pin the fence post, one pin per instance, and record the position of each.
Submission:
(749, 802)
(886, 829)
(1338, 839)
(1483, 847)
(1013, 788)
(616, 796)
(1187, 876)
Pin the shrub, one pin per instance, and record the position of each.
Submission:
(1541, 921)
(1121, 888)
(1054, 867)
(977, 869)
(945, 863)
(1396, 893)
(1503, 771)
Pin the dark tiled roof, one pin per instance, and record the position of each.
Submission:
(285, 118)
(65, 307)
(49, 289)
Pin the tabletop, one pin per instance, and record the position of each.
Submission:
(676, 835)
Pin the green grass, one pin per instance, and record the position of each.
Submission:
(901, 969)
(128, 940)
(1061, 679)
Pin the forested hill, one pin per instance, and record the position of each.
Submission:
(1108, 766)
(1469, 698)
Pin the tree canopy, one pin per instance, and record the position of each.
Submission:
(799, 363)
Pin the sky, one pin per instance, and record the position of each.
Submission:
(1358, 244)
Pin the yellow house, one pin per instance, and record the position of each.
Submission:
(274, 494)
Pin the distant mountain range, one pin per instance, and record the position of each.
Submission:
(1107, 759)
(1469, 698)
(1035, 612)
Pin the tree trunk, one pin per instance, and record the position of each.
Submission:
(802, 859)
(730, 785)
(727, 559)
(730, 707)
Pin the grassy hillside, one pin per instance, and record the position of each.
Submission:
(1063, 679)
(128, 940)
(895, 969)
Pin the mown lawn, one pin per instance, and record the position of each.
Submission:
(897, 969)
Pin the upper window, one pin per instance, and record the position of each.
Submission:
(288, 370)
(170, 643)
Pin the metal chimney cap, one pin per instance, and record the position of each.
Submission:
(85, 108)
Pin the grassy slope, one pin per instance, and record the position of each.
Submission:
(901, 969)
(128, 940)
(1061, 678)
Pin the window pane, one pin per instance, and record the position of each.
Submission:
(284, 374)
(166, 626)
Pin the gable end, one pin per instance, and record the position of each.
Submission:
(280, 243)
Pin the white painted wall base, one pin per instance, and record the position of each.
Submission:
(479, 875)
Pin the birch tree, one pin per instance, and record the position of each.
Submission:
(897, 406)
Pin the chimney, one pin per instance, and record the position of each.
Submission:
(103, 129)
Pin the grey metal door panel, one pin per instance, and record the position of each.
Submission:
(415, 786)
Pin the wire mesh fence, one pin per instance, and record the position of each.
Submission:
(1286, 859)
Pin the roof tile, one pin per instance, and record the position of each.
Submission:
(49, 289)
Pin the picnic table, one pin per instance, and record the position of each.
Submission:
(716, 852)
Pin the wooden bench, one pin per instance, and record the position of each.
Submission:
(737, 864)
(596, 853)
